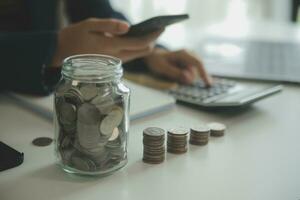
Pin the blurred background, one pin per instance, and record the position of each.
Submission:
(229, 17)
(203, 11)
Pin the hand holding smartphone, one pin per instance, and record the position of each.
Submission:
(154, 24)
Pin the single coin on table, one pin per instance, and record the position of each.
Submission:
(42, 141)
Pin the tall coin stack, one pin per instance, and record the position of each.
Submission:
(199, 135)
(177, 141)
(154, 145)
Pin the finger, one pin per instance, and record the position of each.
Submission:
(112, 26)
(192, 60)
(137, 43)
(172, 72)
(131, 55)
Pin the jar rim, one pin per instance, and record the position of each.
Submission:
(92, 67)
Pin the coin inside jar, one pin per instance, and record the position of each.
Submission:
(89, 91)
(67, 113)
(91, 111)
(73, 96)
(112, 120)
(88, 113)
(115, 134)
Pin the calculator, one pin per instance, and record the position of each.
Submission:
(223, 93)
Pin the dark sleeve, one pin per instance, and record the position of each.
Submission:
(82, 9)
(23, 60)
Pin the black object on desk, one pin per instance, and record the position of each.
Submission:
(9, 157)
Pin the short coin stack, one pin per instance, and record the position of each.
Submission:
(217, 129)
(199, 135)
(177, 140)
(154, 145)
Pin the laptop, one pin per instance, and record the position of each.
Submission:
(251, 59)
(143, 101)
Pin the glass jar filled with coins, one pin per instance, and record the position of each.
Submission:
(91, 115)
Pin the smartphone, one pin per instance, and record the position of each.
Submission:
(154, 24)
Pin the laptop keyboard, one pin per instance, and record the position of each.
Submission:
(274, 58)
(267, 60)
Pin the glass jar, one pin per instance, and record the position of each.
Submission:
(91, 121)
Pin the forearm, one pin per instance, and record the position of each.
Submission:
(23, 56)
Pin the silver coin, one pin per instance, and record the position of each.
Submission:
(97, 150)
(104, 90)
(58, 101)
(88, 135)
(178, 131)
(100, 158)
(89, 91)
(88, 114)
(215, 126)
(154, 132)
(200, 129)
(103, 104)
(67, 113)
(82, 163)
(69, 128)
(112, 120)
(65, 142)
(74, 96)
(116, 154)
(74, 83)
(66, 155)
(115, 134)
(62, 88)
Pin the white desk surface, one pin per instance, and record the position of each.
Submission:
(258, 158)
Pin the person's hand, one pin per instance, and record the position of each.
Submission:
(102, 36)
(181, 66)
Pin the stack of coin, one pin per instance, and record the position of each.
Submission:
(154, 145)
(199, 135)
(217, 129)
(91, 125)
(177, 140)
